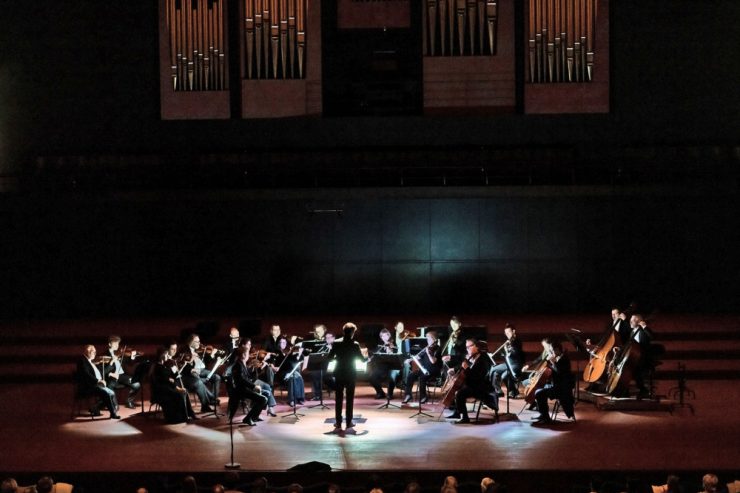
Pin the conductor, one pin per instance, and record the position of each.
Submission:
(346, 353)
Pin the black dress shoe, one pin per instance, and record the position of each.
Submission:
(380, 396)
(542, 420)
(423, 400)
(301, 402)
(462, 421)
(115, 416)
(95, 412)
(206, 409)
(453, 416)
(257, 419)
(130, 405)
(249, 422)
(407, 399)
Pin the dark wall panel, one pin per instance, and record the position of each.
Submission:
(455, 229)
(503, 229)
(79, 256)
(406, 230)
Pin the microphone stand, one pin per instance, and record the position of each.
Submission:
(232, 464)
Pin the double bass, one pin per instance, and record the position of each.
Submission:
(623, 367)
(599, 358)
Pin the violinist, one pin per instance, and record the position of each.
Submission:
(246, 388)
(514, 356)
(90, 382)
(380, 372)
(116, 377)
(253, 366)
(195, 376)
(560, 386)
(271, 343)
(424, 366)
(287, 368)
(167, 389)
(477, 382)
(322, 379)
(454, 352)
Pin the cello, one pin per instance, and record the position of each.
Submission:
(539, 377)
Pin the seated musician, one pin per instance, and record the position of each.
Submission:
(253, 366)
(287, 367)
(424, 366)
(195, 376)
(115, 375)
(321, 380)
(245, 388)
(546, 344)
(561, 385)
(271, 343)
(90, 382)
(477, 382)
(167, 390)
(380, 372)
(514, 356)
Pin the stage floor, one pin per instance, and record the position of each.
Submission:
(40, 437)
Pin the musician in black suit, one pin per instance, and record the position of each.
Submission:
(560, 386)
(454, 351)
(477, 382)
(167, 390)
(514, 355)
(90, 382)
(115, 376)
(346, 353)
(641, 334)
(271, 344)
(195, 376)
(425, 365)
(245, 388)
(379, 371)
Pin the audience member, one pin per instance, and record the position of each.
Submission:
(709, 482)
(9, 485)
(294, 488)
(47, 485)
(189, 485)
(217, 488)
(484, 484)
(450, 482)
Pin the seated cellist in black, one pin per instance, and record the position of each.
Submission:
(561, 385)
(476, 367)
(168, 390)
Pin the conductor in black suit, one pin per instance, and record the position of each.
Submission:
(346, 353)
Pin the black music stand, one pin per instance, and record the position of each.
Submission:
(389, 362)
(291, 378)
(421, 409)
(507, 414)
(575, 339)
(319, 362)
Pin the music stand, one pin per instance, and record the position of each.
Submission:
(319, 362)
(291, 377)
(575, 339)
(421, 410)
(507, 414)
(389, 362)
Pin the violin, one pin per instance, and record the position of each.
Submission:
(408, 333)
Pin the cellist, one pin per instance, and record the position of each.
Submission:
(560, 386)
(475, 369)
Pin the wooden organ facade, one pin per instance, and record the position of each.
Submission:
(468, 54)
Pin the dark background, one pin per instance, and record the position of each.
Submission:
(191, 235)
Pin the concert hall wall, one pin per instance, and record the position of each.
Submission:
(408, 251)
